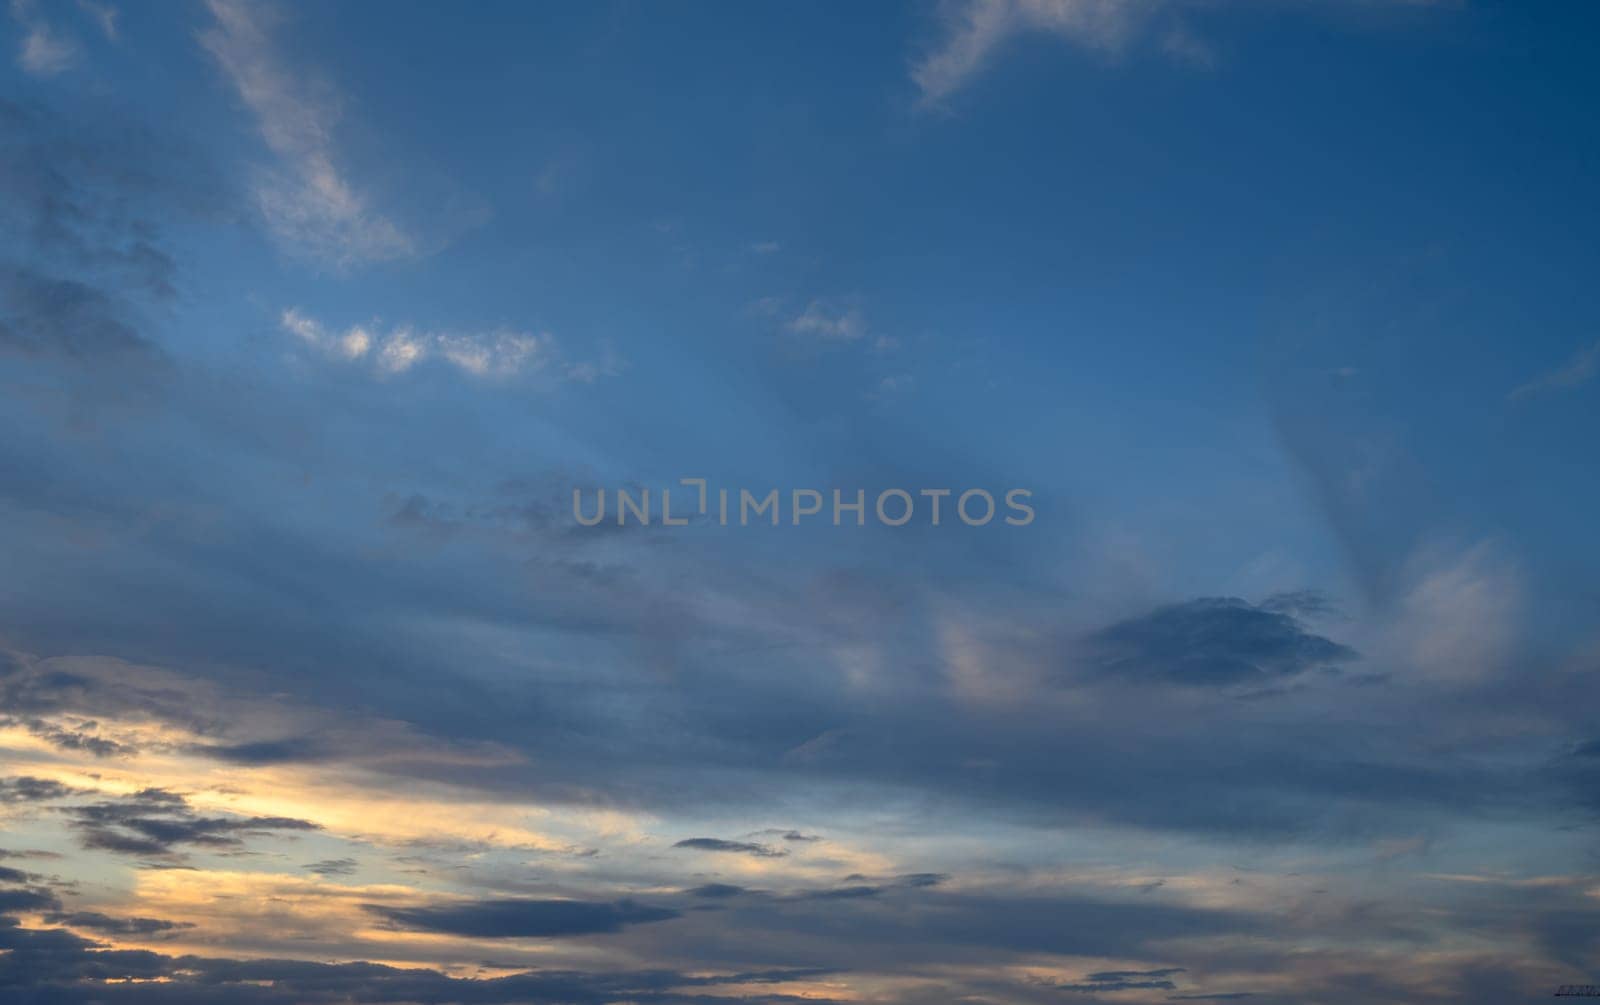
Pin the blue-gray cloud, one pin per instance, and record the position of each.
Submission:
(525, 918)
(1213, 641)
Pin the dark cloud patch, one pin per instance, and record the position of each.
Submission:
(1212, 642)
(525, 918)
(792, 836)
(333, 867)
(84, 269)
(34, 691)
(1103, 976)
(844, 892)
(716, 891)
(263, 752)
(1301, 603)
(28, 900)
(1101, 987)
(97, 922)
(57, 967)
(918, 880)
(157, 822)
(83, 737)
(32, 853)
(857, 887)
(92, 192)
(49, 316)
(27, 789)
(734, 847)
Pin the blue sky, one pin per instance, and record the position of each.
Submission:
(314, 317)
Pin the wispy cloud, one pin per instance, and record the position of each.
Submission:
(44, 50)
(1580, 369)
(481, 354)
(104, 16)
(306, 199)
(974, 29)
(501, 353)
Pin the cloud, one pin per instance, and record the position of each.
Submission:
(306, 199)
(1575, 372)
(974, 29)
(44, 50)
(82, 737)
(490, 354)
(834, 326)
(524, 918)
(1119, 980)
(1212, 641)
(56, 966)
(26, 789)
(27, 900)
(105, 17)
(157, 822)
(90, 197)
(47, 316)
(395, 350)
(1459, 616)
(94, 921)
(83, 205)
(735, 847)
(333, 867)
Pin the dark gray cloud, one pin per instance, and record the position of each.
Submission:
(96, 922)
(27, 789)
(525, 918)
(84, 202)
(44, 316)
(262, 752)
(81, 738)
(57, 967)
(28, 900)
(1213, 641)
(333, 867)
(1118, 980)
(93, 191)
(156, 822)
(735, 847)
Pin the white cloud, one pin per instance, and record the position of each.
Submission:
(492, 354)
(44, 51)
(305, 198)
(1459, 616)
(1580, 369)
(975, 28)
(841, 326)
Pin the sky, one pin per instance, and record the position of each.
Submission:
(315, 320)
